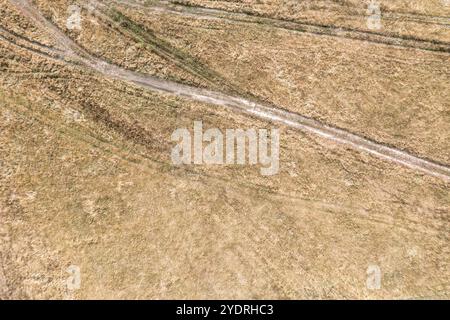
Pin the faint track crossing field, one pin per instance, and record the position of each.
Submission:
(293, 120)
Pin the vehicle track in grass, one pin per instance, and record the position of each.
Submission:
(353, 11)
(117, 21)
(265, 112)
(19, 41)
(304, 26)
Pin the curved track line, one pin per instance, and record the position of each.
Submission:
(246, 106)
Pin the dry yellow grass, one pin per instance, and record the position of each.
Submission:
(87, 180)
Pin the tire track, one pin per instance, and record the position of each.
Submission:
(305, 27)
(33, 46)
(426, 18)
(265, 112)
(350, 10)
(361, 11)
(120, 23)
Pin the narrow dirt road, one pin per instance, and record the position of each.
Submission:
(292, 120)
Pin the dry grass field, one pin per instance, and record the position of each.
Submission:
(87, 180)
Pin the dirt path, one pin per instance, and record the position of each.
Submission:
(292, 120)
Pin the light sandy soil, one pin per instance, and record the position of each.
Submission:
(87, 179)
